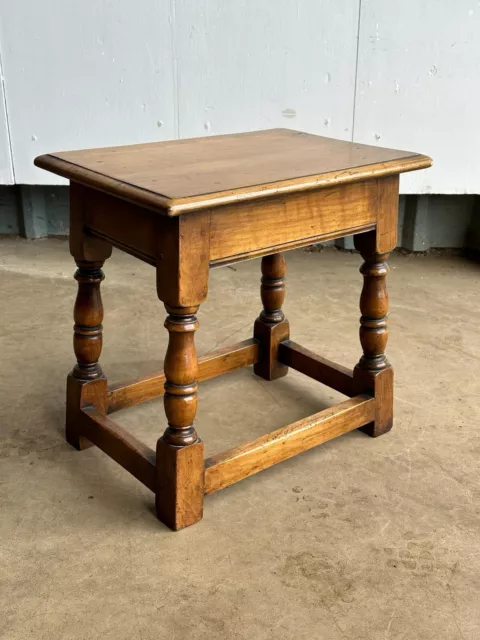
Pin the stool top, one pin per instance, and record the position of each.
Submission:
(185, 175)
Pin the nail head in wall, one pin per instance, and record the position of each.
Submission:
(289, 113)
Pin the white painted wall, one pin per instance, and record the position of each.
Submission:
(103, 72)
(82, 74)
(6, 168)
(250, 64)
(418, 87)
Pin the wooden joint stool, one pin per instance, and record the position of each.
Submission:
(188, 205)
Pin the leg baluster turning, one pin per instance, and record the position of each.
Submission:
(180, 465)
(87, 344)
(181, 371)
(88, 316)
(271, 327)
(373, 374)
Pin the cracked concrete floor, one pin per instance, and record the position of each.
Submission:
(357, 539)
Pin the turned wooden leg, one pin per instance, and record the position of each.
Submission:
(374, 374)
(180, 459)
(271, 327)
(86, 384)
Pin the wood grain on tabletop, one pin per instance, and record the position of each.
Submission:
(179, 175)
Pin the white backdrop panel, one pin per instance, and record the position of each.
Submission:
(83, 74)
(418, 87)
(250, 65)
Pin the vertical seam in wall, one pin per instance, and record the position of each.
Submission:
(7, 121)
(356, 69)
(173, 40)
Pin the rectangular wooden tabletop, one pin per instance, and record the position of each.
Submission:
(183, 175)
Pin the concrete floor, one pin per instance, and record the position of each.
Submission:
(357, 539)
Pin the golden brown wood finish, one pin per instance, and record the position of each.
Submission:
(89, 254)
(179, 488)
(321, 369)
(184, 206)
(88, 316)
(86, 383)
(182, 175)
(261, 227)
(109, 218)
(380, 385)
(180, 484)
(271, 327)
(373, 304)
(127, 394)
(79, 395)
(373, 374)
(87, 345)
(387, 214)
(226, 468)
(183, 260)
(259, 252)
(299, 220)
(181, 377)
(83, 245)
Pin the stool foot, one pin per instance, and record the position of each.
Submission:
(180, 484)
(380, 385)
(79, 395)
(75, 440)
(270, 336)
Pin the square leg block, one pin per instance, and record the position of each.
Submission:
(379, 384)
(269, 337)
(81, 394)
(180, 484)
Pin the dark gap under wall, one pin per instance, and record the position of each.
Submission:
(34, 211)
(425, 222)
